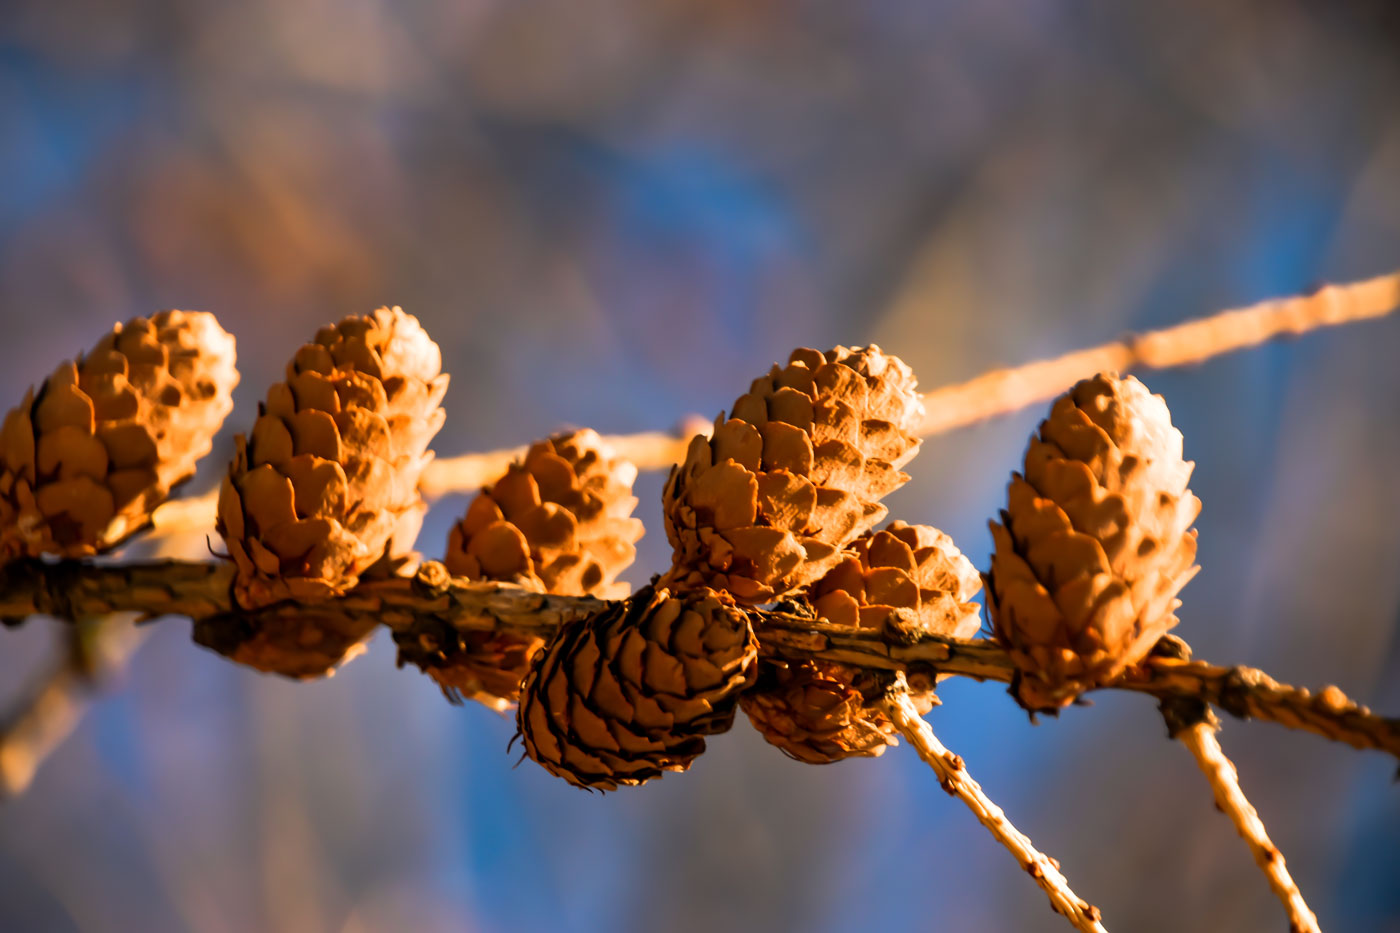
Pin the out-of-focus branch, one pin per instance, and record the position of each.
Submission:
(649, 450)
(98, 647)
(201, 591)
(994, 393)
(48, 712)
(952, 774)
(1007, 390)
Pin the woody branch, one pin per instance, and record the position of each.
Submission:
(200, 591)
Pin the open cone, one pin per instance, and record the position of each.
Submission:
(764, 506)
(1095, 541)
(86, 459)
(326, 486)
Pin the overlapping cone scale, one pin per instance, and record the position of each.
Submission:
(631, 692)
(1095, 542)
(763, 507)
(912, 576)
(909, 578)
(86, 459)
(559, 521)
(816, 712)
(326, 485)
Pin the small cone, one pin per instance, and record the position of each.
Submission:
(763, 507)
(815, 712)
(326, 486)
(86, 460)
(312, 644)
(560, 521)
(1095, 541)
(632, 692)
(909, 578)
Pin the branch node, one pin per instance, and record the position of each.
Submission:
(432, 580)
(1181, 712)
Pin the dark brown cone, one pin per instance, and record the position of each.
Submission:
(763, 507)
(560, 521)
(86, 460)
(632, 692)
(1095, 542)
(327, 484)
(909, 578)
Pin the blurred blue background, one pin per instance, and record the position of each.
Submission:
(616, 213)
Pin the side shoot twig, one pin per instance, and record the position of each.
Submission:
(1224, 780)
(1190, 721)
(952, 774)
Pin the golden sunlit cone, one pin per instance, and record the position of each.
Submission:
(86, 459)
(327, 484)
(912, 576)
(906, 577)
(632, 691)
(815, 712)
(560, 521)
(764, 506)
(1095, 541)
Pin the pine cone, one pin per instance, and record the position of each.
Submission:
(1094, 544)
(487, 667)
(632, 691)
(763, 507)
(815, 712)
(86, 460)
(328, 482)
(312, 643)
(910, 578)
(560, 521)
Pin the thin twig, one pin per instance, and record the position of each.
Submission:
(433, 598)
(1225, 784)
(952, 774)
(1191, 721)
(994, 393)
